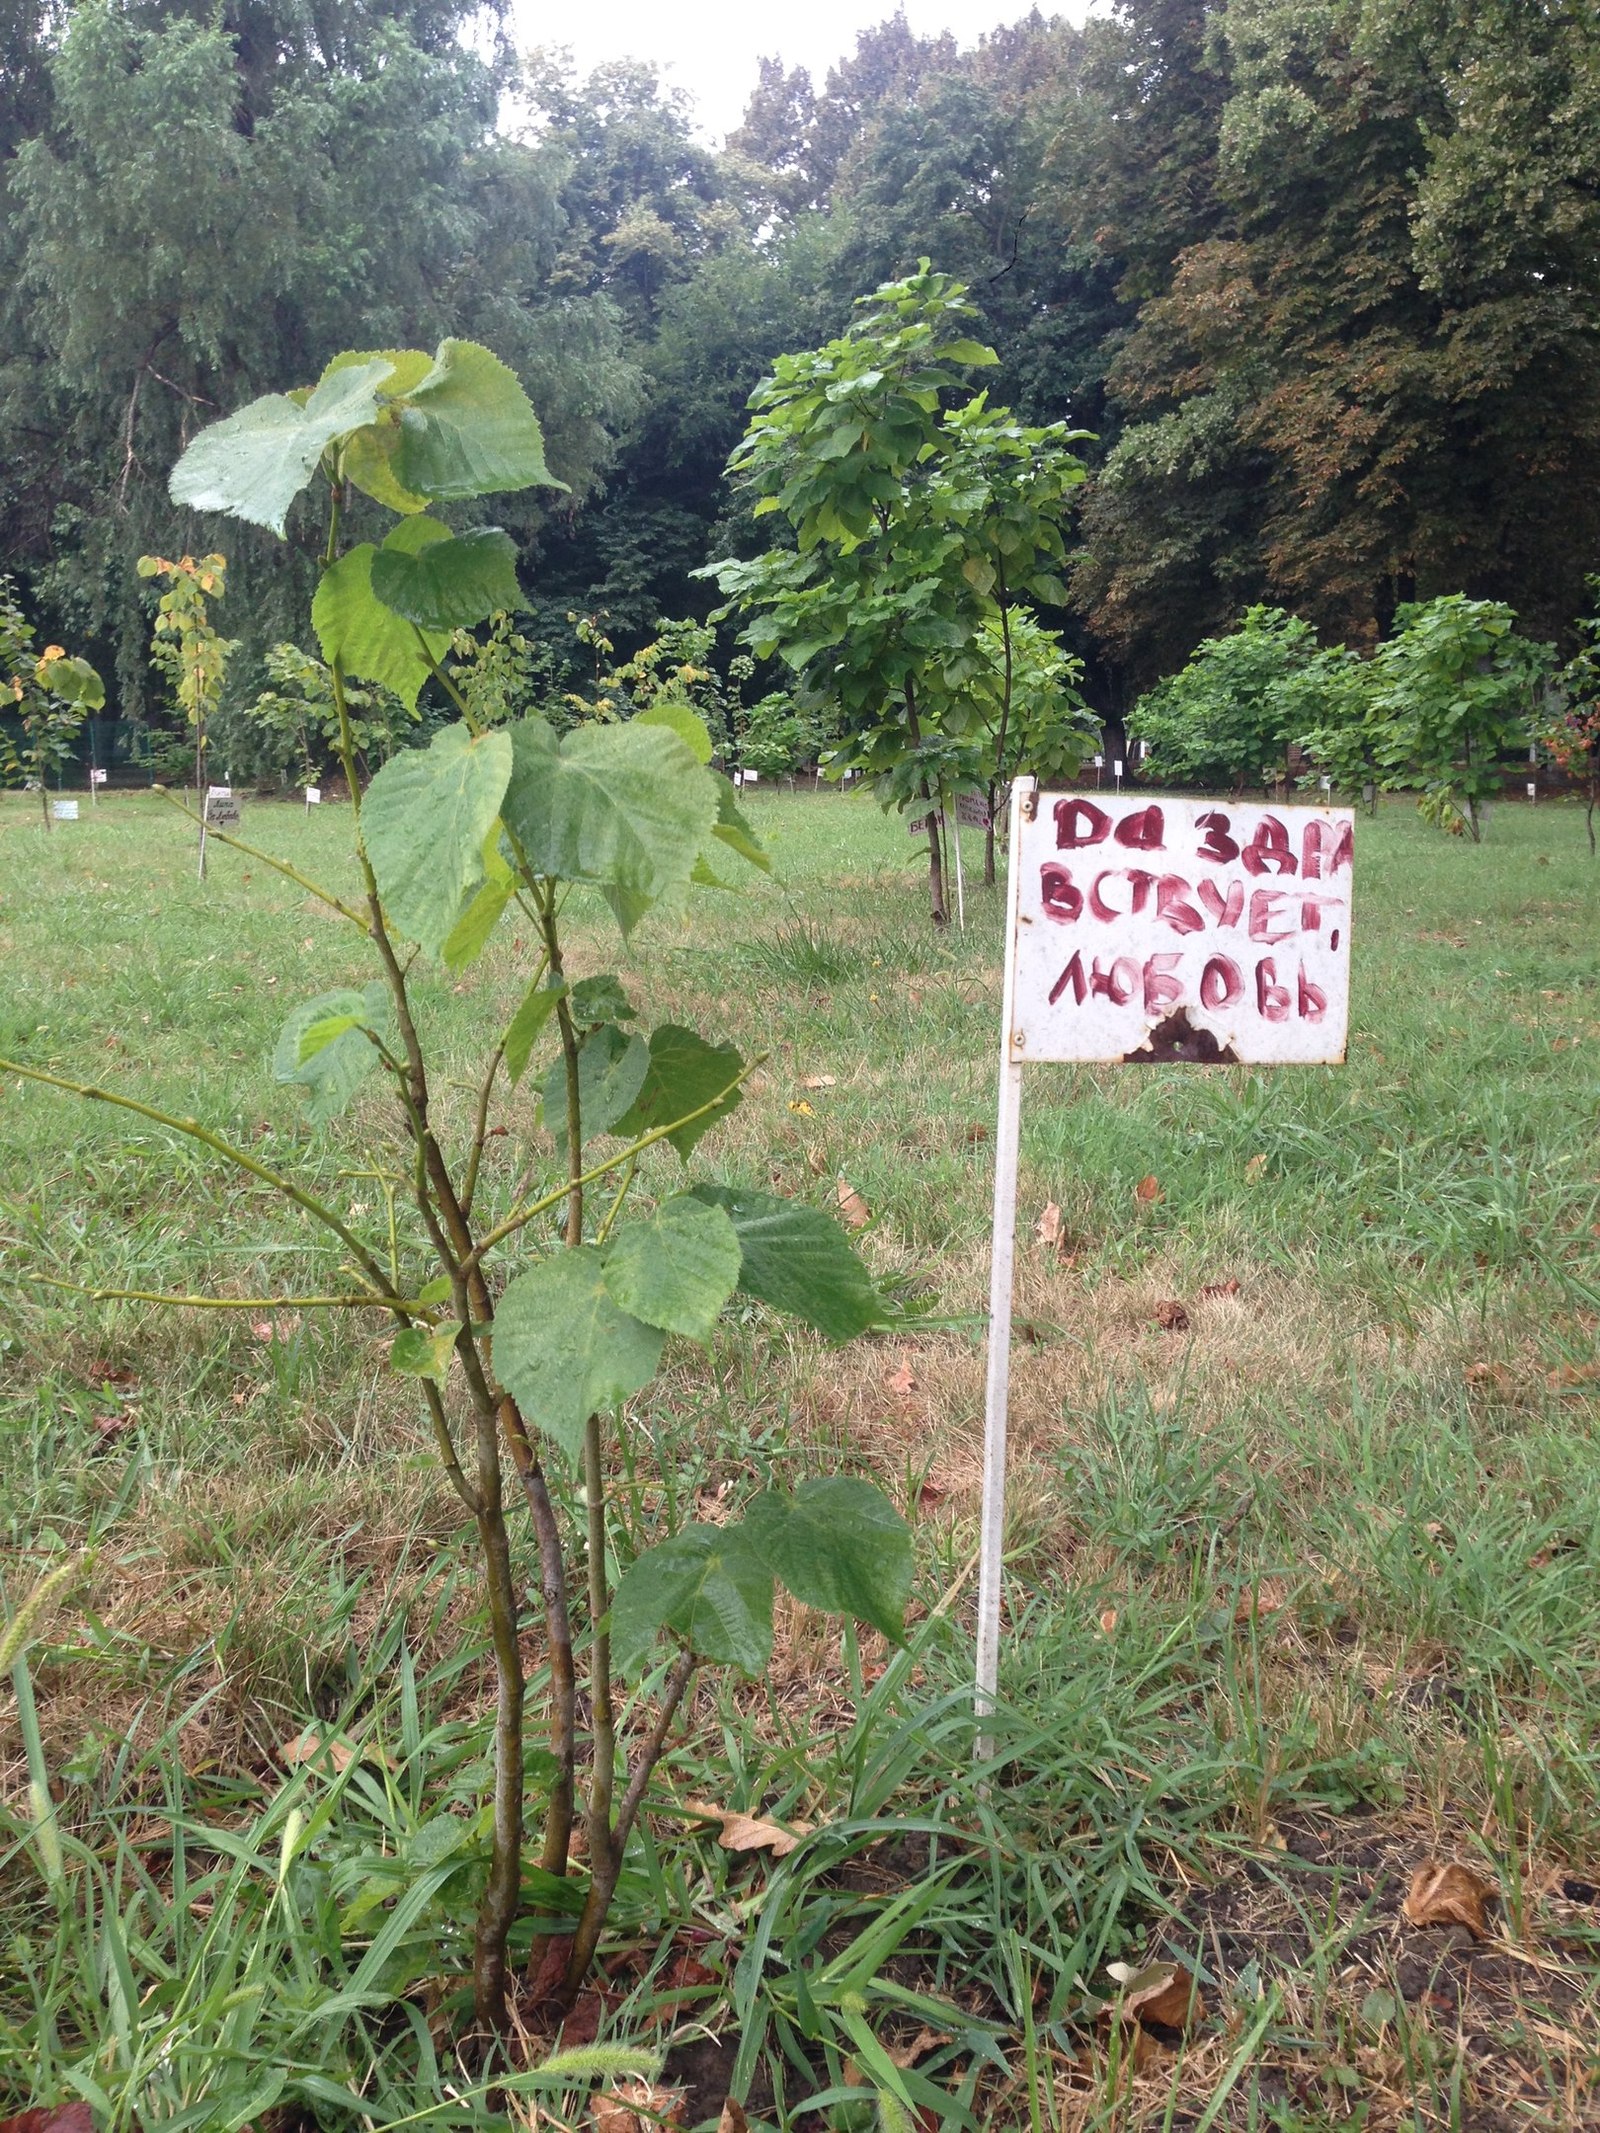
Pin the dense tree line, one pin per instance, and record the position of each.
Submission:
(1321, 276)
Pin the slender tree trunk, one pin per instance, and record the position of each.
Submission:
(941, 916)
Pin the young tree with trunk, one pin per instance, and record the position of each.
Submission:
(526, 1317)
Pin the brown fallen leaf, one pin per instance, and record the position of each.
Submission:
(1163, 1993)
(975, 1134)
(1268, 1597)
(1108, 1620)
(902, 1382)
(818, 1081)
(749, 1833)
(108, 1428)
(1171, 1316)
(931, 1493)
(1570, 1374)
(857, 1214)
(1498, 1379)
(1253, 1169)
(636, 2107)
(307, 1746)
(54, 2118)
(799, 1105)
(1448, 1894)
(1050, 1229)
(100, 1372)
(1213, 1289)
(733, 2119)
(1148, 1191)
(925, 2041)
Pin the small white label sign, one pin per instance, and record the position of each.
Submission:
(313, 796)
(64, 810)
(1181, 930)
(97, 777)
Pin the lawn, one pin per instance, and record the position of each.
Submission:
(1305, 1508)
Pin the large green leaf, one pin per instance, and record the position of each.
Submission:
(682, 720)
(451, 583)
(469, 936)
(366, 638)
(368, 453)
(75, 682)
(733, 830)
(324, 1045)
(676, 1268)
(468, 429)
(564, 1349)
(424, 821)
(623, 806)
(522, 1033)
(797, 1259)
(840, 1545)
(684, 1073)
(611, 1067)
(254, 464)
(708, 1584)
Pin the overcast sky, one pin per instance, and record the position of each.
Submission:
(710, 47)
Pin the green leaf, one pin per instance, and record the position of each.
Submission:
(734, 830)
(438, 1291)
(425, 1351)
(324, 1046)
(468, 429)
(676, 1268)
(840, 1545)
(709, 1585)
(75, 682)
(424, 821)
(601, 999)
(367, 459)
(469, 936)
(523, 1031)
(452, 582)
(687, 724)
(611, 1069)
(967, 352)
(684, 1072)
(366, 638)
(254, 464)
(623, 806)
(564, 1349)
(797, 1259)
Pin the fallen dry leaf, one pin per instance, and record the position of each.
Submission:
(802, 1107)
(931, 1493)
(1496, 1378)
(975, 1134)
(56, 2118)
(635, 2107)
(857, 1214)
(100, 1372)
(902, 1382)
(1172, 1316)
(1163, 1993)
(1050, 1229)
(1268, 1597)
(818, 1081)
(1254, 1168)
(1213, 1289)
(1448, 1894)
(749, 1833)
(925, 2041)
(109, 1427)
(1108, 1620)
(733, 2119)
(1574, 1374)
(307, 1746)
(1148, 1191)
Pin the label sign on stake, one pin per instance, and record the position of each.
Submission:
(1149, 932)
(223, 810)
(64, 810)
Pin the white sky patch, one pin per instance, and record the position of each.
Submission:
(711, 47)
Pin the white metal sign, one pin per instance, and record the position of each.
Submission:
(64, 810)
(1151, 931)
(1180, 930)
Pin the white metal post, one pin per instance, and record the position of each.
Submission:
(1002, 1258)
(953, 824)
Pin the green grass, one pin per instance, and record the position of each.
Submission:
(1319, 1565)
